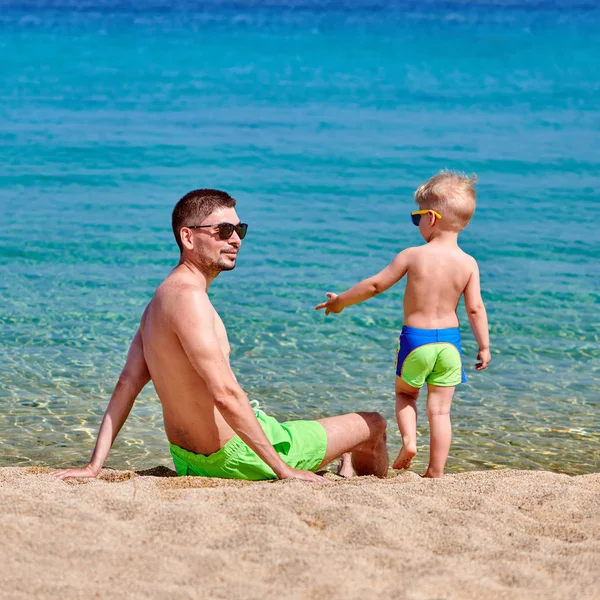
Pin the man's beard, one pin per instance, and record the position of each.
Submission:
(223, 266)
(216, 267)
(226, 263)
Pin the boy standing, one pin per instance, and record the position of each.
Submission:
(438, 274)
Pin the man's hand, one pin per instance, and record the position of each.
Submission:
(133, 378)
(303, 476)
(332, 305)
(86, 472)
(485, 357)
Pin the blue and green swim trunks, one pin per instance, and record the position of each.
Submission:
(300, 444)
(430, 356)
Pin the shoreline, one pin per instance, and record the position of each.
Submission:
(502, 534)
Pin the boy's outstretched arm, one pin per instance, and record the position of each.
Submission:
(133, 378)
(478, 318)
(368, 287)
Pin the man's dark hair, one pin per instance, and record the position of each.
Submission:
(195, 206)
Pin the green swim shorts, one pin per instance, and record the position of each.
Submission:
(430, 356)
(300, 444)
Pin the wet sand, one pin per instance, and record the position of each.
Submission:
(493, 534)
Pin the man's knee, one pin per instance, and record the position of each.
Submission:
(376, 422)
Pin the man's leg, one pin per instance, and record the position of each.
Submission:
(363, 434)
(345, 467)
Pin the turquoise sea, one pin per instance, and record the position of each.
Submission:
(321, 118)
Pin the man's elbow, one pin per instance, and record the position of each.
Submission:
(135, 381)
(226, 400)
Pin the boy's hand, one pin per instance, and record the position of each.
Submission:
(485, 357)
(332, 305)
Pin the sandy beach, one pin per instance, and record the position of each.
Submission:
(493, 534)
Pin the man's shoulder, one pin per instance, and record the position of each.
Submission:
(176, 290)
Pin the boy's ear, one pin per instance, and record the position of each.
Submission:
(431, 218)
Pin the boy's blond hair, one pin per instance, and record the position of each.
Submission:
(450, 194)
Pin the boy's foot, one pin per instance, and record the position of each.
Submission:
(345, 467)
(404, 458)
(432, 474)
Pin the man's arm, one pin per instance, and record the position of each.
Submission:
(133, 378)
(478, 318)
(194, 325)
(370, 287)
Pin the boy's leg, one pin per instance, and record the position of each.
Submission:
(406, 415)
(363, 434)
(439, 400)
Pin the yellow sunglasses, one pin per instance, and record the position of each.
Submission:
(417, 214)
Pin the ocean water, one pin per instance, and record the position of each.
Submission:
(321, 118)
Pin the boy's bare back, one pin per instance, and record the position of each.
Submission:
(437, 275)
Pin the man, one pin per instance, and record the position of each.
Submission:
(182, 346)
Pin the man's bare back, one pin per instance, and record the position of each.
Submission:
(191, 418)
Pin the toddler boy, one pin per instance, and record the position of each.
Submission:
(438, 274)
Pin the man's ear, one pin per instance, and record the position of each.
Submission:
(187, 238)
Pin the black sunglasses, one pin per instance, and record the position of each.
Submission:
(417, 214)
(226, 229)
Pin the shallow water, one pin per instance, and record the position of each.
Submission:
(321, 119)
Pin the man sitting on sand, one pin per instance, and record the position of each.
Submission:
(182, 345)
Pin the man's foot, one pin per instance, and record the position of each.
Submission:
(407, 453)
(345, 467)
